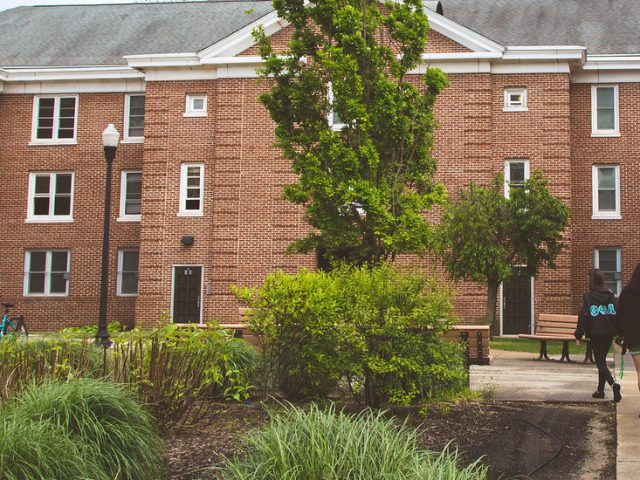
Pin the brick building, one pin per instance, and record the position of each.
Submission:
(534, 84)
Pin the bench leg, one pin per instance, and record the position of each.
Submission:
(543, 350)
(588, 356)
(565, 352)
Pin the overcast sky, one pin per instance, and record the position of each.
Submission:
(6, 4)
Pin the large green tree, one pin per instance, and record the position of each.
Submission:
(483, 235)
(356, 126)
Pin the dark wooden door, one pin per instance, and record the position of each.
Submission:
(516, 304)
(187, 294)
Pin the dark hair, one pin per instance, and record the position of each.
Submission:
(634, 281)
(597, 280)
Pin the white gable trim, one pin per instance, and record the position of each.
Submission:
(163, 60)
(3, 75)
(242, 39)
(462, 35)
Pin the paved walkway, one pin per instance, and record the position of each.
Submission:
(518, 376)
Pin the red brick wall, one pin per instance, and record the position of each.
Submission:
(588, 151)
(83, 237)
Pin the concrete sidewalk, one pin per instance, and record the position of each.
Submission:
(628, 424)
(519, 376)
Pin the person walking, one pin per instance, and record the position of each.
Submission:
(597, 320)
(629, 318)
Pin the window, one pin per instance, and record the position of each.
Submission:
(46, 272)
(606, 192)
(191, 189)
(515, 99)
(196, 106)
(604, 111)
(50, 197)
(515, 174)
(54, 119)
(130, 196)
(128, 263)
(335, 122)
(134, 118)
(609, 261)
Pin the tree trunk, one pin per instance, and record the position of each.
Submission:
(492, 298)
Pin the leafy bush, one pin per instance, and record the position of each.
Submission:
(89, 331)
(173, 368)
(299, 320)
(329, 445)
(83, 428)
(24, 363)
(380, 328)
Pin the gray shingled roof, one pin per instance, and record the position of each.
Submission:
(73, 35)
(603, 26)
(76, 35)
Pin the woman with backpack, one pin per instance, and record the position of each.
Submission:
(629, 317)
(597, 319)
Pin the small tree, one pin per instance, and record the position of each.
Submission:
(484, 235)
(357, 129)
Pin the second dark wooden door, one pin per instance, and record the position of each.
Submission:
(516, 304)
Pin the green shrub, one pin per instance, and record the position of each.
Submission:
(25, 363)
(299, 320)
(103, 432)
(380, 328)
(89, 331)
(329, 445)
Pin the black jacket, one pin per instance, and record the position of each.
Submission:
(629, 316)
(597, 317)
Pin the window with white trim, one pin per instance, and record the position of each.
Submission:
(606, 192)
(516, 172)
(196, 106)
(134, 118)
(50, 197)
(191, 189)
(128, 265)
(515, 99)
(46, 272)
(130, 196)
(54, 119)
(609, 262)
(335, 122)
(604, 111)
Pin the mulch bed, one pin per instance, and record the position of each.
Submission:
(529, 439)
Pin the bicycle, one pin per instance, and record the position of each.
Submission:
(15, 328)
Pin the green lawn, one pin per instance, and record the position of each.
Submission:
(533, 346)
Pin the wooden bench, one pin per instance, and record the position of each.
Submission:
(476, 338)
(557, 328)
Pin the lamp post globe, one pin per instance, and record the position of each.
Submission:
(110, 139)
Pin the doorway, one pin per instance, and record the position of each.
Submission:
(187, 294)
(517, 306)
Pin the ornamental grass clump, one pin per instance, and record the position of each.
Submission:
(317, 444)
(83, 428)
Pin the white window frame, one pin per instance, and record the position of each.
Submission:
(119, 292)
(124, 217)
(507, 172)
(596, 264)
(183, 212)
(595, 132)
(330, 116)
(508, 107)
(56, 121)
(605, 215)
(127, 112)
(189, 111)
(50, 218)
(47, 273)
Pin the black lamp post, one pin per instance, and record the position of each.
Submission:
(110, 138)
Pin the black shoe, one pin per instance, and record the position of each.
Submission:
(616, 392)
(597, 394)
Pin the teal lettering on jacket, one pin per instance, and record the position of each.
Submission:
(602, 310)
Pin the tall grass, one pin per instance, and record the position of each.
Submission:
(327, 445)
(83, 428)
